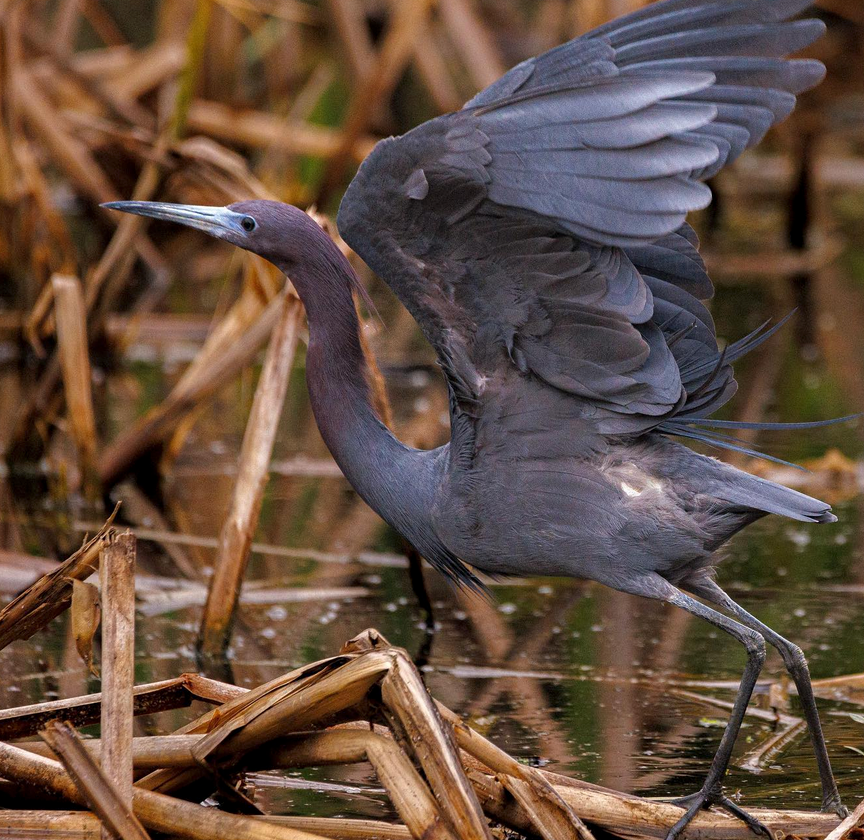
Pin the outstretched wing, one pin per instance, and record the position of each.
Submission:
(539, 237)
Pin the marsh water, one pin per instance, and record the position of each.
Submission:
(570, 675)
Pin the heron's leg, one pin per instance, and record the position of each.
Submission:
(711, 792)
(796, 665)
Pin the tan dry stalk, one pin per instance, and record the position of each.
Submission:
(318, 695)
(149, 68)
(150, 752)
(71, 318)
(349, 20)
(177, 693)
(241, 523)
(498, 803)
(51, 595)
(156, 811)
(82, 825)
(653, 819)
(407, 790)
(117, 576)
(342, 829)
(547, 812)
(297, 700)
(259, 130)
(110, 802)
(431, 739)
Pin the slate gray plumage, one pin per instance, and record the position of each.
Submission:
(539, 238)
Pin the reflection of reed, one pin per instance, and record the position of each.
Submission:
(618, 706)
(501, 647)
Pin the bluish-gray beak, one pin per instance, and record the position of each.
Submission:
(217, 221)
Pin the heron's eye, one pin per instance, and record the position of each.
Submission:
(248, 224)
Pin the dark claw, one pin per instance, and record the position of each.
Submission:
(696, 802)
(755, 826)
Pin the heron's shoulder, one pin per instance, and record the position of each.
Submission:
(390, 164)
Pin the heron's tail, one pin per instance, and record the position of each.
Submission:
(749, 491)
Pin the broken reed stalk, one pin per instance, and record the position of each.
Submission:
(79, 825)
(426, 734)
(149, 698)
(52, 593)
(82, 825)
(110, 802)
(342, 829)
(408, 792)
(117, 577)
(71, 318)
(160, 422)
(235, 539)
(157, 812)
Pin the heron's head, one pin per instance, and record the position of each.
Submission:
(278, 232)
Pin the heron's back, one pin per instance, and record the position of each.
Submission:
(647, 506)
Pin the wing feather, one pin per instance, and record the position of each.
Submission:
(539, 236)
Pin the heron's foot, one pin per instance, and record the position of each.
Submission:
(833, 805)
(697, 802)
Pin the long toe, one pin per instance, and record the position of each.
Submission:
(696, 802)
(756, 826)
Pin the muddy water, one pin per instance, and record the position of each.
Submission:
(612, 689)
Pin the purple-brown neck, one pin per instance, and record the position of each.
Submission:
(396, 481)
(399, 483)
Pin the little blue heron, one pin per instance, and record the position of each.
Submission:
(538, 236)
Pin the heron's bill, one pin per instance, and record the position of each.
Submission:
(213, 220)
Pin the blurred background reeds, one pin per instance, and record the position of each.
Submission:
(131, 354)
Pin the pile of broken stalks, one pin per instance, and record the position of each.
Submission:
(367, 704)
